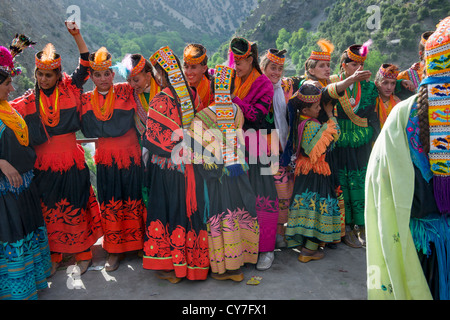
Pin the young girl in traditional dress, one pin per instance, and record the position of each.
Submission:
(314, 214)
(176, 240)
(254, 94)
(272, 65)
(139, 74)
(386, 80)
(195, 67)
(108, 113)
(233, 231)
(51, 111)
(24, 253)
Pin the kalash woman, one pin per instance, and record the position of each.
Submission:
(272, 64)
(195, 67)
(359, 126)
(176, 240)
(408, 187)
(254, 94)
(24, 253)
(51, 111)
(233, 231)
(138, 72)
(385, 80)
(108, 113)
(314, 215)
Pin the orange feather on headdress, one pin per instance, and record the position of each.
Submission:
(101, 55)
(49, 52)
(326, 46)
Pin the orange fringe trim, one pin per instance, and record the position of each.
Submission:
(316, 160)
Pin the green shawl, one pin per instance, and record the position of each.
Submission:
(393, 267)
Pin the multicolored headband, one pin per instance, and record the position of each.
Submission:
(48, 63)
(389, 71)
(437, 57)
(190, 59)
(358, 53)
(424, 37)
(238, 54)
(101, 60)
(309, 98)
(274, 58)
(355, 57)
(138, 68)
(167, 60)
(324, 55)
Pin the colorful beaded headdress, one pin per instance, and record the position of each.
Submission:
(324, 55)
(48, 59)
(389, 71)
(437, 57)
(225, 114)
(240, 53)
(100, 60)
(167, 60)
(358, 53)
(276, 56)
(7, 56)
(125, 67)
(424, 37)
(194, 54)
(309, 98)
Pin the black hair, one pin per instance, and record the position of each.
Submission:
(306, 89)
(241, 45)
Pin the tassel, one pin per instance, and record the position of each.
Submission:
(191, 198)
(206, 211)
(231, 62)
(442, 193)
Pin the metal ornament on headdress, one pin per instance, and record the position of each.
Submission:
(166, 59)
(190, 59)
(309, 98)
(48, 59)
(389, 73)
(275, 58)
(437, 57)
(324, 55)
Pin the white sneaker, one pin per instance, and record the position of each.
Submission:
(265, 260)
